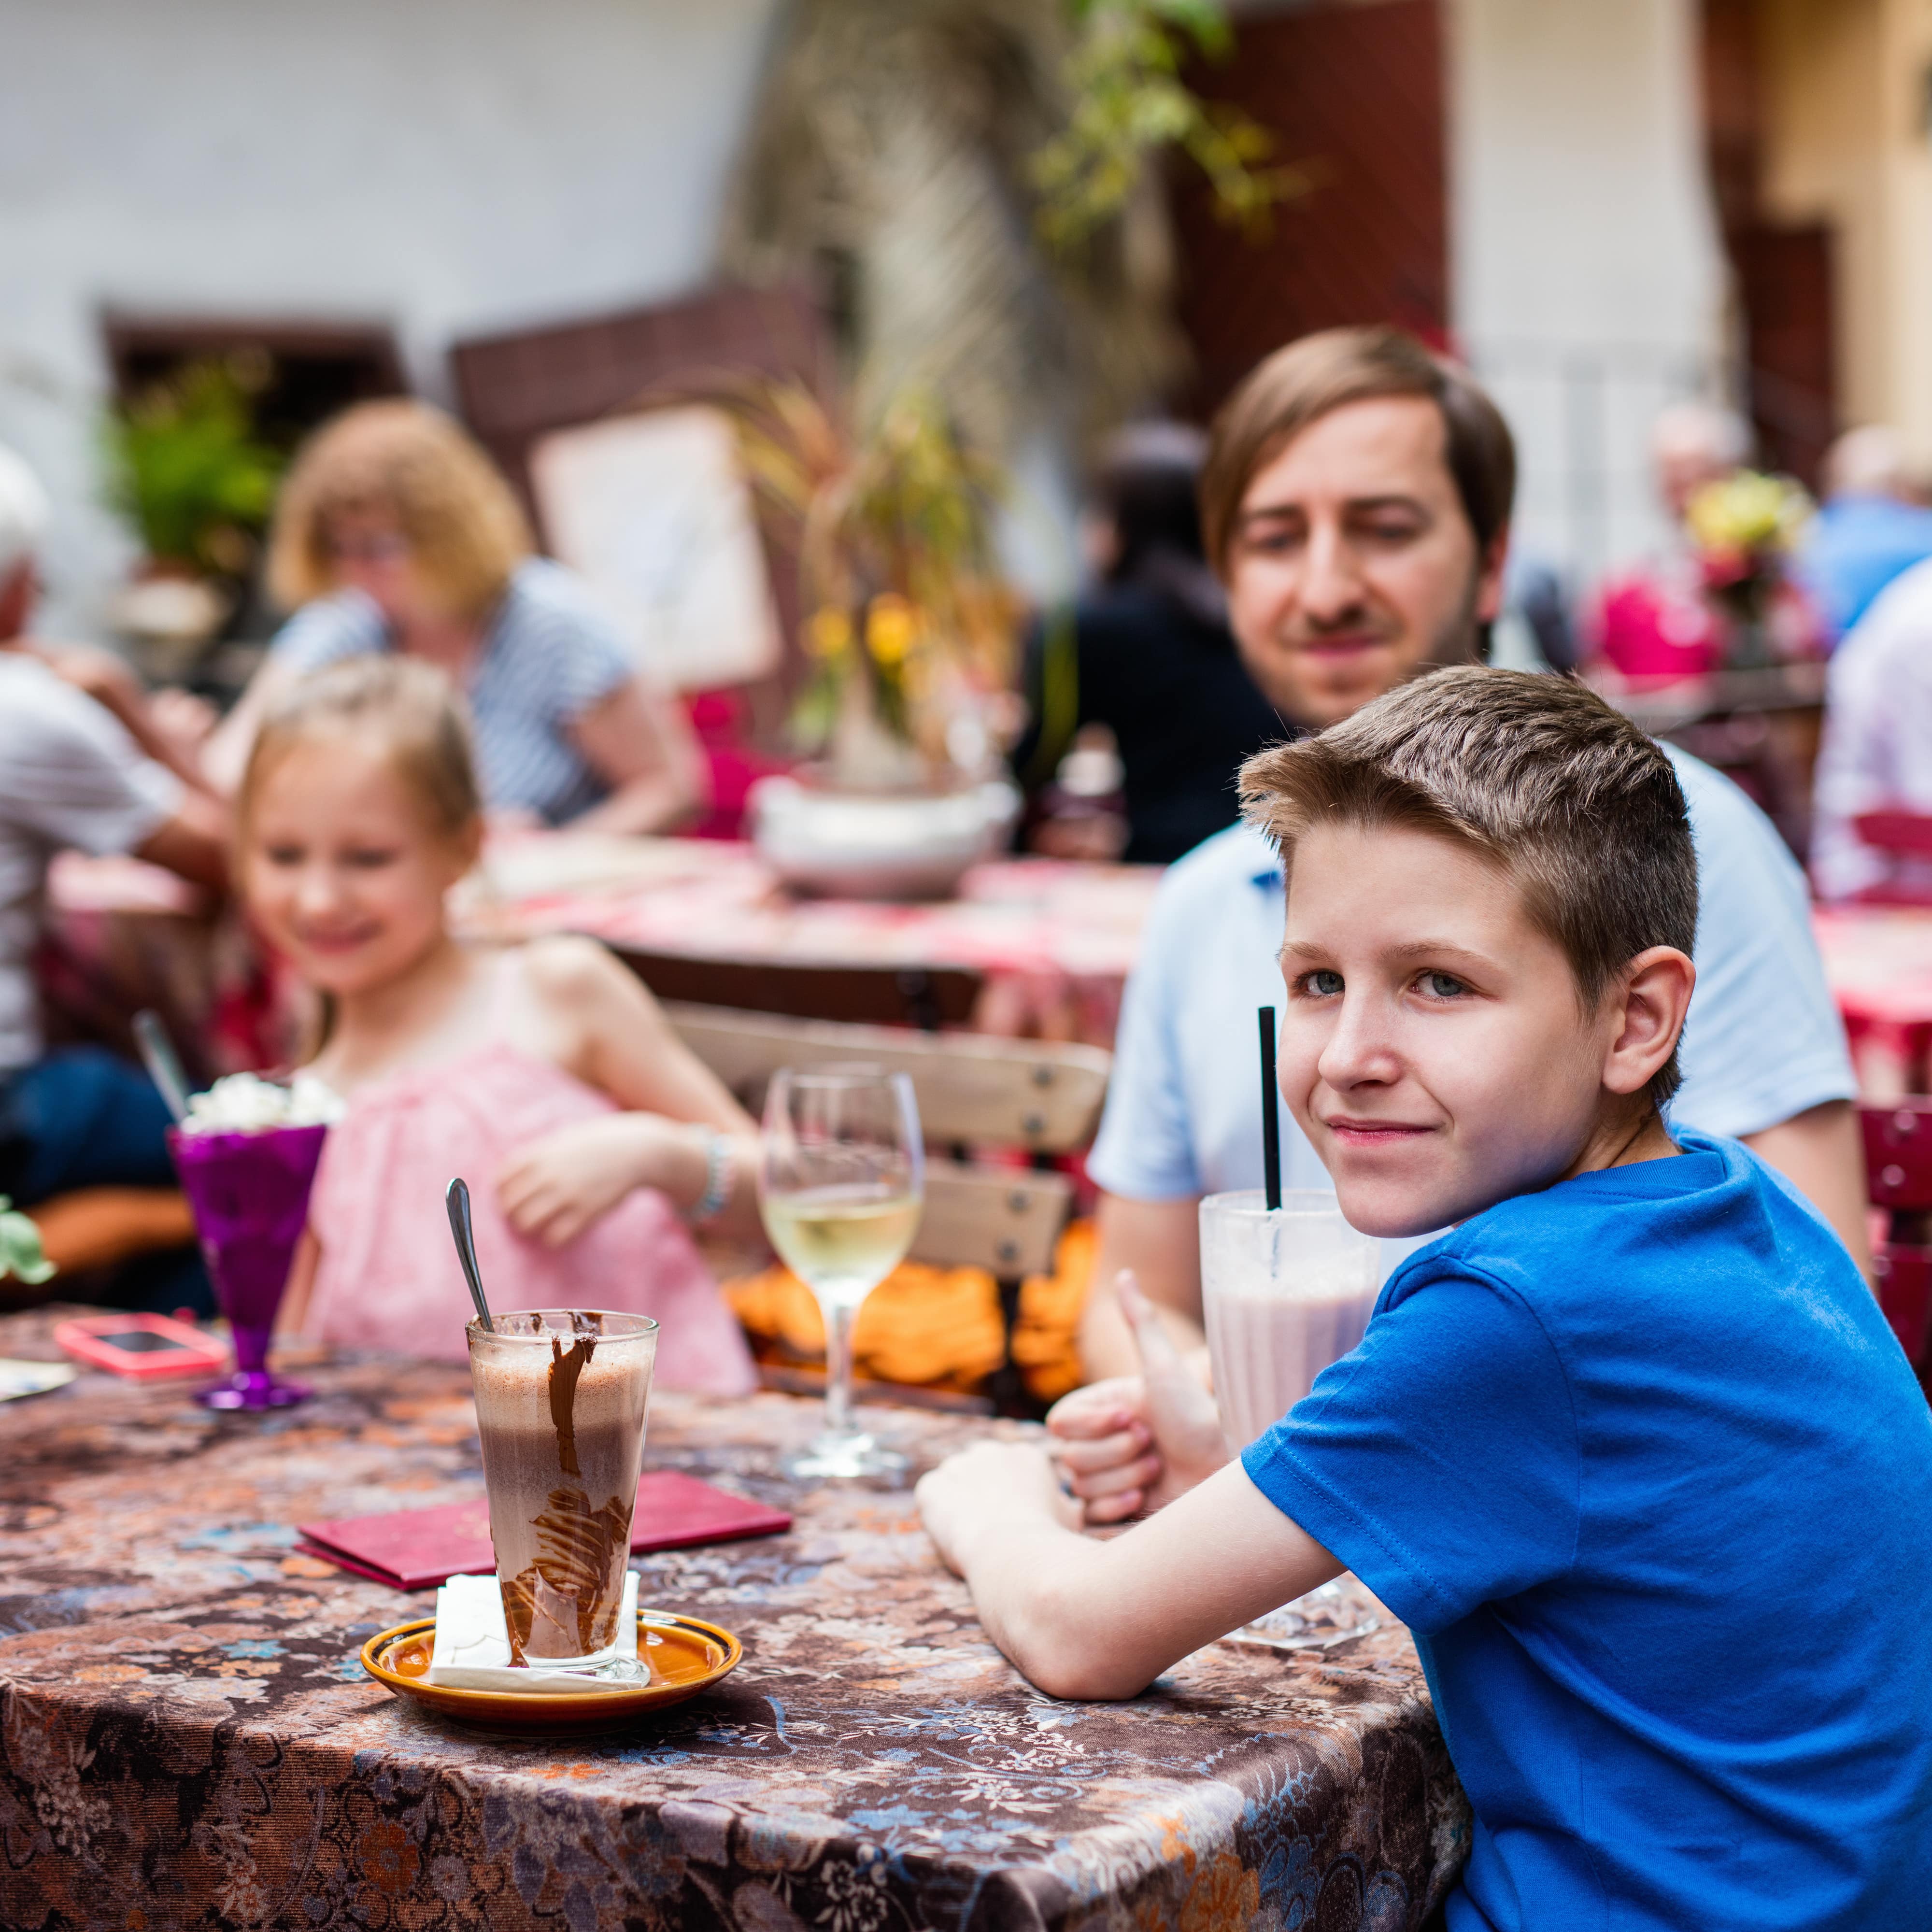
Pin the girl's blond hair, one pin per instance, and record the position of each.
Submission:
(409, 707)
(406, 460)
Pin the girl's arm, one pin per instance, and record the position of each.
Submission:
(1084, 1619)
(615, 1038)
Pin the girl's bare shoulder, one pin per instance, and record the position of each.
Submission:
(580, 980)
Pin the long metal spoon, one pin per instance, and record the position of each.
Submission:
(456, 1198)
(163, 1063)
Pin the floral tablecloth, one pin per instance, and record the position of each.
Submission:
(187, 1739)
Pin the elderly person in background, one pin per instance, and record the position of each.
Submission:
(72, 774)
(167, 726)
(394, 531)
(1654, 621)
(1869, 528)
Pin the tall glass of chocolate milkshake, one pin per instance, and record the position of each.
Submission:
(561, 1398)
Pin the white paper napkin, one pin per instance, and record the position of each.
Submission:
(473, 1643)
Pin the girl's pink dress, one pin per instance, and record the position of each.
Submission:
(388, 1277)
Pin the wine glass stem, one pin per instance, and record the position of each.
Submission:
(838, 1319)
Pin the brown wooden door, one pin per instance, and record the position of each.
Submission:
(1354, 93)
(1784, 287)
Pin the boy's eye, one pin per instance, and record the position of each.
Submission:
(282, 855)
(1442, 985)
(369, 859)
(1324, 983)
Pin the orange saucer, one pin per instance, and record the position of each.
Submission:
(686, 1657)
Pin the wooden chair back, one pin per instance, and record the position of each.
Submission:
(1898, 1169)
(974, 1092)
(1043, 1099)
(925, 997)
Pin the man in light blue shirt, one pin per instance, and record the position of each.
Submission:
(1356, 503)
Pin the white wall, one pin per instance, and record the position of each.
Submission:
(1587, 279)
(447, 166)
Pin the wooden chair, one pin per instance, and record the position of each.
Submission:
(1898, 1165)
(927, 998)
(974, 1092)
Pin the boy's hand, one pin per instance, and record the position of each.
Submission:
(553, 1190)
(1131, 1444)
(992, 1487)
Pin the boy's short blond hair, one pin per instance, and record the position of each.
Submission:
(406, 460)
(1538, 774)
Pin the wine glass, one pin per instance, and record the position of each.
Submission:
(840, 1188)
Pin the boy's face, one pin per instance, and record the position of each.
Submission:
(1434, 1051)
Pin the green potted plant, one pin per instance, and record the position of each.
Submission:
(21, 1255)
(188, 473)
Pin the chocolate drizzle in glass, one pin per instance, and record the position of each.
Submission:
(578, 1544)
(564, 1371)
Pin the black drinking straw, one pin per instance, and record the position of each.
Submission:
(1270, 1117)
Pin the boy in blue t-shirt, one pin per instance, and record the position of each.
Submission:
(1631, 1450)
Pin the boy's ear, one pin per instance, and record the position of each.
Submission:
(1654, 995)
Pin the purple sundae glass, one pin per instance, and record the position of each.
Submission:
(250, 1195)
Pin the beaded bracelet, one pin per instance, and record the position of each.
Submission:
(717, 1179)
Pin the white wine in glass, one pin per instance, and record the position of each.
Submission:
(841, 1187)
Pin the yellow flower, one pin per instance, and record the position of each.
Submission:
(828, 632)
(1748, 511)
(891, 624)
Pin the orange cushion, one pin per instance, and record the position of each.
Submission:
(931, 1327)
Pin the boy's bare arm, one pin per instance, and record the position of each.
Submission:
(1084, 1619)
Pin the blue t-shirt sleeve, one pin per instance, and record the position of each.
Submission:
(1763, 1040)
(1440, 1461)
(1145, 1150)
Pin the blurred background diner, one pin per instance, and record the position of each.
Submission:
(798, 477)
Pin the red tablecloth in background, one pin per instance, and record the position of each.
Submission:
(1879, 961)
(1054, 938)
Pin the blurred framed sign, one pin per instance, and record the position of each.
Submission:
(654, 511)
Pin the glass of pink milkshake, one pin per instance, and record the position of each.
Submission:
(1286, 1293)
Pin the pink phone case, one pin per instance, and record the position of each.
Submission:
(195, 1352)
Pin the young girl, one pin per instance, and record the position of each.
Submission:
(545, 1074)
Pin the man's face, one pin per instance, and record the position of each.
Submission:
(1434, 1050)
(1352, 563)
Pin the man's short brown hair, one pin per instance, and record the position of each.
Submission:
(1540, 777)
(1326, 371)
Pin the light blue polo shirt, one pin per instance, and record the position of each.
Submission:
(1763, 1040)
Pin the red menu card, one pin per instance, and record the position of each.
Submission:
(416, 1549)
